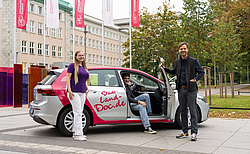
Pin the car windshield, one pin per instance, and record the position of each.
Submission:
(49, 79)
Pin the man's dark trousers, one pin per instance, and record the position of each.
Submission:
(187, 98)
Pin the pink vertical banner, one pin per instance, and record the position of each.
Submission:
(79, 13)
(135, 13)
(52, 13)
(21, 13)
(108, 13)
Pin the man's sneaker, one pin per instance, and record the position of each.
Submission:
(149, 130)
(79, 137)
(182, 135)
(193, 137)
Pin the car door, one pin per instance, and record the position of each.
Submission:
(106, 96)
(168, 97)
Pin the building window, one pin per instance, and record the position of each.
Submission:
(46, 49)
(31, 8)
(53, 32)
(81, 40)
(101, 60)
(59, 51)
(100, 32)
(93, 59)
(97, 58)
(111, 47)
(46, 30)
(60, 16)
(89, 29)
(107, 34)
(53, 51)
(104, 46)
(117, 62)
(111, 61)
(71, 39)
(114, 61)
(107, 46)
(113, 35)
(117, 36)
(89, 58)
(114, 49)
(40, 28)
(101, 45)
(97, 30)
(110, 35)
(89, 43)
(32, 24)
(117, 49)
(32, 45)
(97, 44)
(76, 40)
(107, 60)
(25, 68)
(71, 23)
(93, 30)
(104, 61)
(40, 49)
(60, 33)
(39, 10)
(93, 43)
(24, 46)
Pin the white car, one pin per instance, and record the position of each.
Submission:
(107, 101)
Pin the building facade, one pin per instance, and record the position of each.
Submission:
(59, 43)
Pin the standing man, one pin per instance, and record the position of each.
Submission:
(186, 69)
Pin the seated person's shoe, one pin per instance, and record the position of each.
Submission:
(193, 137)
(182, 135)
(150, 114)
(149, 130)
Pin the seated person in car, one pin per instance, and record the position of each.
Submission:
(140, 103)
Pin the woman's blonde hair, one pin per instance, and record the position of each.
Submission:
(76, 64)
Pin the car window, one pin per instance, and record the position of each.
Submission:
(103, 78)
(49, 79)
(143, 80)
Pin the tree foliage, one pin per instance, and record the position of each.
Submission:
(156, 38)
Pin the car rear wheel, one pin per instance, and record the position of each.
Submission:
(178, 118)
(66, 121)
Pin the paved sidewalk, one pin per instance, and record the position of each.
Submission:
(20, 134)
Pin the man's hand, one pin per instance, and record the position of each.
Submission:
(193, 80)
(161, 65)
(142, 103)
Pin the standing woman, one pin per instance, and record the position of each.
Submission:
(77, 78)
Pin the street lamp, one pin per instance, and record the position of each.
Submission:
(85, 32)
(119, 29)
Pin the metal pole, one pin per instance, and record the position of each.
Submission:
(247, 74)
(85, 42)
(130, 35)
(214, 75)
(102, 36)
(15, 34)
(119, 48)
(44, 41)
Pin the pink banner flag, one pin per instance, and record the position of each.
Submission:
(52, 14)
(21, 13)
(79, 13)
(135, 13)
(108, 12)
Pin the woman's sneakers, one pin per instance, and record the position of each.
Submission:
(182, 135)
(80, 137)
(193, 137)
(149, 130)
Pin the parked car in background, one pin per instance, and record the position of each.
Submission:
(107, 101)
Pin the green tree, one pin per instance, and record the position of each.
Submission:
(197, 25)
(154, 39)
(226, 46)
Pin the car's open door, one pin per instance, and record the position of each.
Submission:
(168, 96)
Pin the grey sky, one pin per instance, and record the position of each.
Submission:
(121, 7)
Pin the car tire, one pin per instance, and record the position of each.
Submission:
(178, 118)
(66, 121)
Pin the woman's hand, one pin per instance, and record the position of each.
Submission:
(71, 95)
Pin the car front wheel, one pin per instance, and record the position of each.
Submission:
(178, 118)
(66, 121)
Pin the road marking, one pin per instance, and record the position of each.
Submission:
(52, 147)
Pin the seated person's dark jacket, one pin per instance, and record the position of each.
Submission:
(130, 95)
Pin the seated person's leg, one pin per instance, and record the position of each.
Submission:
(145, 98)
(143, 114)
